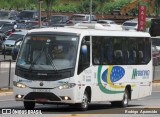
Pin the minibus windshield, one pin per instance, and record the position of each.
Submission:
(48, 52)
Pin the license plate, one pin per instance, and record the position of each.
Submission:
(41, 90)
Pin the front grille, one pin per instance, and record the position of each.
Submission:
(9, 45)
(51, 75)
(38, 95)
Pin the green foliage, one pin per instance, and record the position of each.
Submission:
(148, 24)
(72, 7)
(100, 6)
(85, 5)
(114, 5)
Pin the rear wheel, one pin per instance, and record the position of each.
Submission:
(29, 105)
(124, 102)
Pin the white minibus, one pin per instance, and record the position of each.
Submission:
(83, 64)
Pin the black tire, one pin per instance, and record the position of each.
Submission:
(29, 105)
(13, 57)
(124, 102)
(84, 105)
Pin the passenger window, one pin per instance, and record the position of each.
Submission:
(120, 50)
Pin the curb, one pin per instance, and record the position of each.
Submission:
(6, 92)
(156, 84)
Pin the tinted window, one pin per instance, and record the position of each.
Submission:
(26, 14)
(15, 37)
(4, 14)
(156, 42)
(78, 18)
(121, 50)
(129, 24)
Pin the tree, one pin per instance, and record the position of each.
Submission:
(85, 5)
(49, 4)
(18, 4)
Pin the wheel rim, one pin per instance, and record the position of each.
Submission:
(125, 99)
(85, 101)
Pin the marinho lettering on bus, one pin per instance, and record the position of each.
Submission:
(140, 73)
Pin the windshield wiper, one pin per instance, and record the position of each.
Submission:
(50, 60)
(38, 56)
(35, 60)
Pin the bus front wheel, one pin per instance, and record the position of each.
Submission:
(29, 105)
(84, 104)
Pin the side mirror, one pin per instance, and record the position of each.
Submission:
(84, 49)
(36, 17)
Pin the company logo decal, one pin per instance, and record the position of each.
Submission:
(116, 74)
(110, 75)
(140, 73)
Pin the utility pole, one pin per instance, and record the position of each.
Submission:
(39, 18)
(90, 10)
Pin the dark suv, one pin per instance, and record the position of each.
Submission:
(155, 55)
(58, 20)
(8, 14)
(27, 15)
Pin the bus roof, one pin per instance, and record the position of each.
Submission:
(98, 30)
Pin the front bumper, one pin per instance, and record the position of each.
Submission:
(65, 96)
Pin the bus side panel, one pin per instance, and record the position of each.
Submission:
(145, 89)
(87, 78)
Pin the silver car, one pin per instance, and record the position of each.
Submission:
(130, 25)
(9, 43)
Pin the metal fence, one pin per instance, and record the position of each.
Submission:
(7, 68)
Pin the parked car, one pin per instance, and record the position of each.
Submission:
(110, 24)
(8, 14)
(130, 25)
(9, 43)
(9, 26)
(2, 39)
(106, 22)
(30, 24)
(155, 27)
(35, 24)
(5, 21)
(27, 15)
(156, 42)
(58, 20)
(155, 55)
(16, 48)
(79, 18)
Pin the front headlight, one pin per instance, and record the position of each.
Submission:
(67, 86)
(19, 85)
